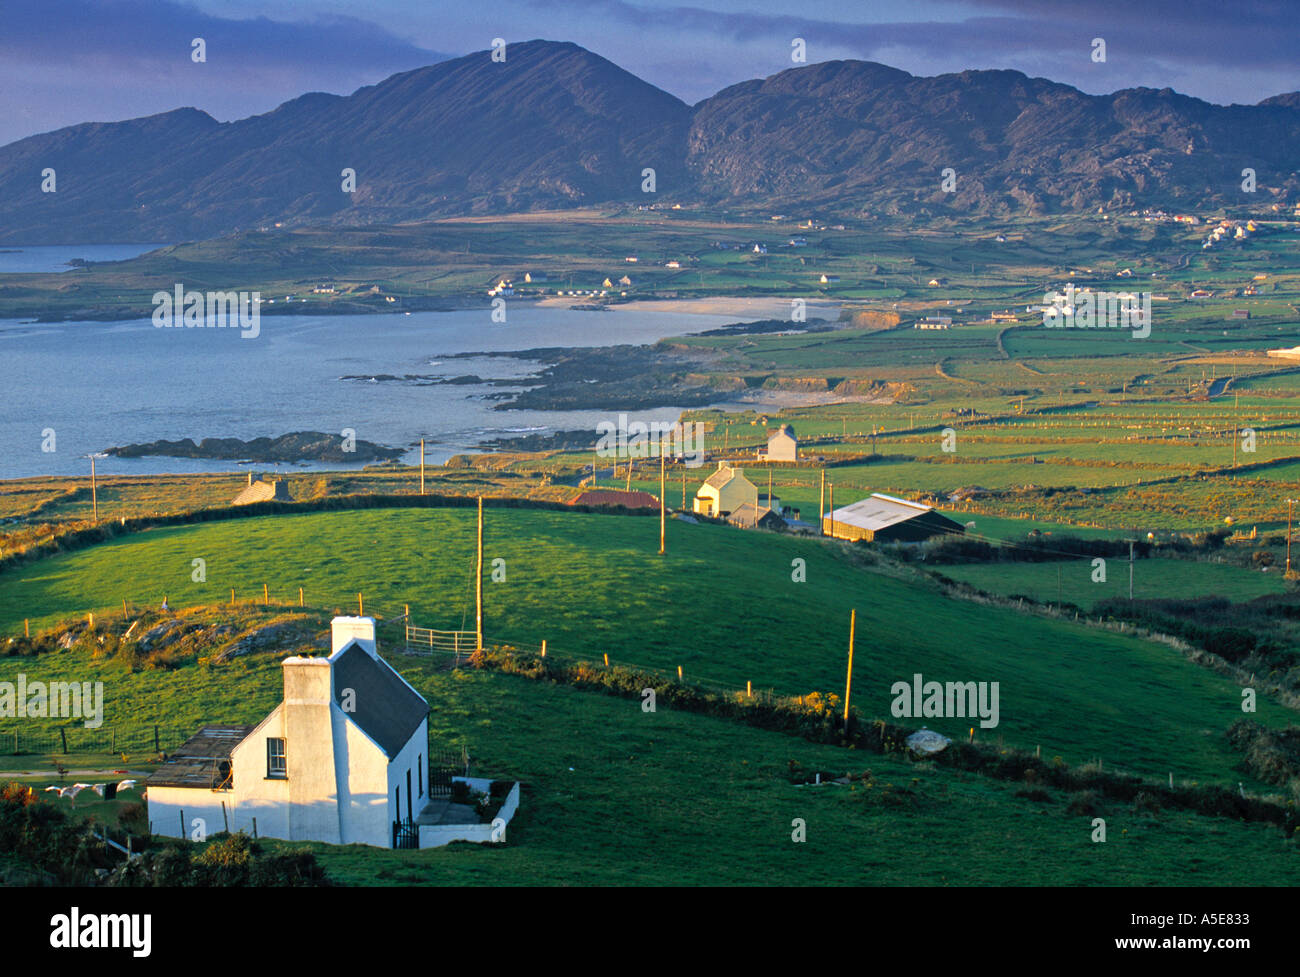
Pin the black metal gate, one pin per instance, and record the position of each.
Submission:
(406, 834)
(441, 769)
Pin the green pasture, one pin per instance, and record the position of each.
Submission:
(724, 604)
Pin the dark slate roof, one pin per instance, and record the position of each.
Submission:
(631, 500)
(385, 707)
(203, 760)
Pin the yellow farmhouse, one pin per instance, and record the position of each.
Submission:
(725, 491)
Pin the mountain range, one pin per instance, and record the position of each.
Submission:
(555, 125)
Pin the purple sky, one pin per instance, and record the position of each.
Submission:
(69, 61)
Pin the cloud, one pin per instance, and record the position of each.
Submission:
(157, 32)
(64, 62)
(1217, 52)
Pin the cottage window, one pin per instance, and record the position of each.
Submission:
(275, 766)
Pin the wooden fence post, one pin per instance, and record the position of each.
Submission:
(300, 597)
(156, 747)
(63, 735)
(543, 647)
(266, 595)
(27, 630)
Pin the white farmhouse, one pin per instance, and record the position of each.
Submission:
(342, 759)
(782, 445)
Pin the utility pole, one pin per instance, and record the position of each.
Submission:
(1130, 566)
(94, 490)
(422, 466)
(478, 584)
(821, 508)
(848, 681)
(662, 492)
(1289, 503)
(832, 508)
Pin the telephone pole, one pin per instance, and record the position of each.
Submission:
(663, 489)
(1130, 566)
(821, 508)
(94, 491)
(848, 681)
(478, 584)
(1289, 503)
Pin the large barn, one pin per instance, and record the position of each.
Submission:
(886, 519)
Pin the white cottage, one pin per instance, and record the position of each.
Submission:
(342, 759)
(782, 445)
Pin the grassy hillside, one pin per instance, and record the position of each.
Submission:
(1159, 578)
(614, 795)
(618, 796)
(722, 604)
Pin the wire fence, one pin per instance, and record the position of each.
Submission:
(77, 738)
(397, 633)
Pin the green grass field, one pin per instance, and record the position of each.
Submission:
(1072, 581)
(722, 605)
(670, 798)
(617, 796)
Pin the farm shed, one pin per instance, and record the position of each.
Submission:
(748, 516)
(258, 490)
(629, 500)
(886, 519)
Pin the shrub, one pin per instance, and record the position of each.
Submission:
(1145, 803)
(1036, 794)
(1084, 802)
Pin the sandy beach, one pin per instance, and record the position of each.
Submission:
(742, 308)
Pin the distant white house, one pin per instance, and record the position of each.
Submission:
(782, 445)
(829, 279)
(342, 759)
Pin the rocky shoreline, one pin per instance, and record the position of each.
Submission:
(298, 446)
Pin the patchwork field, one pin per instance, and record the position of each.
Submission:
(592, 584)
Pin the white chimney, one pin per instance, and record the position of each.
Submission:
(360, 629)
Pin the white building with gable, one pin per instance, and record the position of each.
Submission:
(342, 759)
